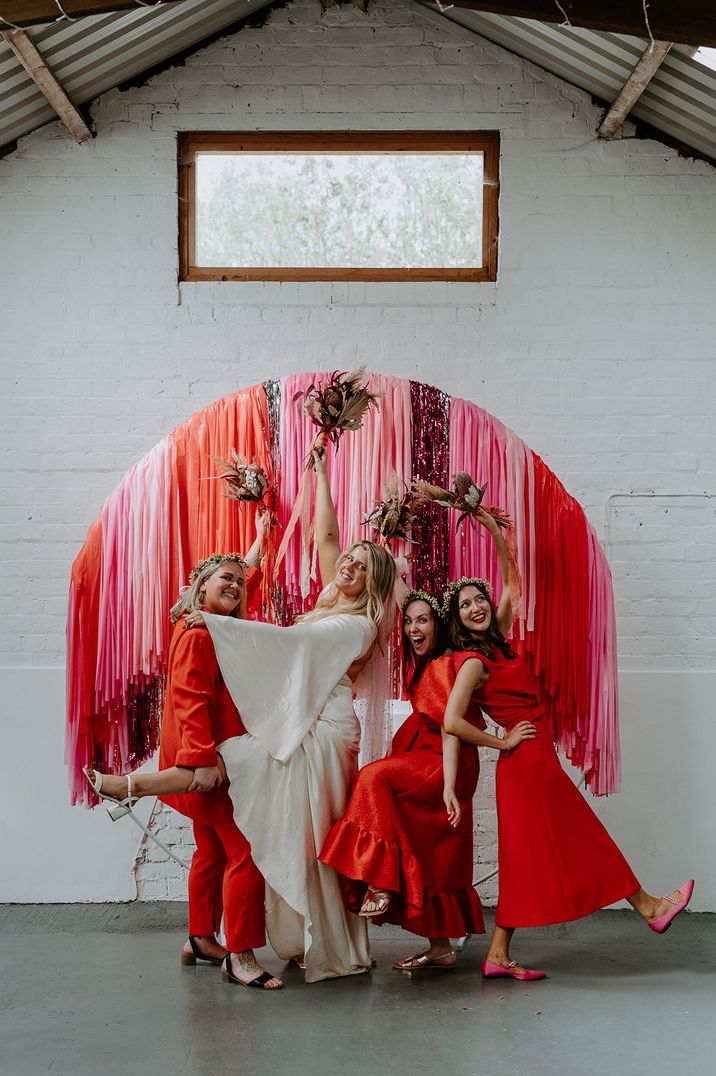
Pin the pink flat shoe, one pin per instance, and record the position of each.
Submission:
(664, 921)
(496, 971)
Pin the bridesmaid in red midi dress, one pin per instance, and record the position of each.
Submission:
(556, 860)
(404, 846)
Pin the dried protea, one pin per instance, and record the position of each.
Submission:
(466, 496)
(395, 516)
(244, 481)
(339, 402)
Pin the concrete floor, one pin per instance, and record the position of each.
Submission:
(98, 989)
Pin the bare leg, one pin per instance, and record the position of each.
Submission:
(438, 954)
(499, 951)
(171, 782)
(649, 907)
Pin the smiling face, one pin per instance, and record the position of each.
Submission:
(420, 627)
(224, 591)
(352, 572)
(473, 609)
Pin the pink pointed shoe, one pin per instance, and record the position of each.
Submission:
(496, 971)
(664, 921)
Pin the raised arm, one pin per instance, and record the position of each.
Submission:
(504, 609)
(327, 536)
(253, 557)
(472, 675)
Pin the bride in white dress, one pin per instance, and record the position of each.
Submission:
(290, 777)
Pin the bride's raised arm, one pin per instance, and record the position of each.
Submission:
(326, 524)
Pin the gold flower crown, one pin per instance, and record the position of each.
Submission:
(423, 596)
(214, 559)
(459, 584)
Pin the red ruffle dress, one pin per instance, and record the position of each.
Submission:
(557, 862)
(395, 833)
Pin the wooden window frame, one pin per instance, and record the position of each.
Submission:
(190, 143)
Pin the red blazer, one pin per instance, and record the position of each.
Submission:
(198, 714)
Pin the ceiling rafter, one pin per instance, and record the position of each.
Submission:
(32, 60)
(690, 22)
(644, 70)
(19, 13)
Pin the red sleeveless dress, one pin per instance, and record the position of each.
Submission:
(557, 862)
(395, 833)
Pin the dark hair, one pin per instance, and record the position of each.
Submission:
(461, 639)
(413, 666)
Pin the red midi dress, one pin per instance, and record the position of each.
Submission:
(556, 860)
(395, 833)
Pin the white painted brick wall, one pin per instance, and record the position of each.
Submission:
(596, 344)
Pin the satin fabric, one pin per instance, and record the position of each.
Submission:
(395, 833)
(556, 860)
(286, 797)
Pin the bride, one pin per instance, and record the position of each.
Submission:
(290, 776)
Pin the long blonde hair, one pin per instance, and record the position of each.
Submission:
(191, 599)
(379, 581)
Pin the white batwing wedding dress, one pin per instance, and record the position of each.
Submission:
(291, 775)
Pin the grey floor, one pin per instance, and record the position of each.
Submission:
(98, 989)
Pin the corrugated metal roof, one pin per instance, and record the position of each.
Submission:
(680, 100)
(91, 55)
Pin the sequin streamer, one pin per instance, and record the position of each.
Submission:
(431, 409)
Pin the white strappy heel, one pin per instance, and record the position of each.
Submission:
(115, 808)
(120, 808)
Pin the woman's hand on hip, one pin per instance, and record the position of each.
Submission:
(523, 730)
(205, 778)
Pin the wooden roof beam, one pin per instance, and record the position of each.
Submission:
(644, 71)
(31, 59)
(18, 13)
(689, 22)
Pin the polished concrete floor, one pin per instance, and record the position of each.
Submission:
(97, 990)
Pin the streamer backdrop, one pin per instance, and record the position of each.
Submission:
(167, 513)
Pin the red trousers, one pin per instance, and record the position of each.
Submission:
(224, 877)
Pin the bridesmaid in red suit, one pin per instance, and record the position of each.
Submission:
(556, 860)
(199, 714)
(404, 845)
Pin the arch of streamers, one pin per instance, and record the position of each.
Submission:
(168, 512)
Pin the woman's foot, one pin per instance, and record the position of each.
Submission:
(110, 785)
(202, 947)
(375, 903)
(245, 970)
(500, 966)
(665, 909)
(432, 958)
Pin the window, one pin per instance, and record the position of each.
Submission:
(338, 206)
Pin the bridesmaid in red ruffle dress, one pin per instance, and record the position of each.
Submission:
(404, 845)
(556, 860)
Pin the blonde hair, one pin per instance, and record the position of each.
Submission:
(379, 580)
(191, 599)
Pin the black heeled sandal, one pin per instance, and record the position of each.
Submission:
(189, 959)
(259, 983)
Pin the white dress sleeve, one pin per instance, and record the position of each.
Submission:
(280, 678)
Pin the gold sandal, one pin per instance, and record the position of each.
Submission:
(381, 901)
(423, 962)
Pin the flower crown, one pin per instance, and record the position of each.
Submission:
(214, 559)
(424, 596)
(459, 584)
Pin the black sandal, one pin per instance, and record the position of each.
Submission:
(189, 959)
(259, 982)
